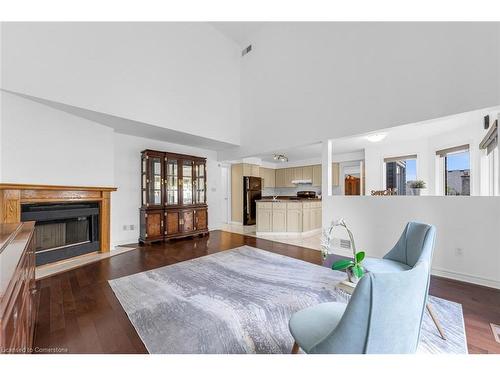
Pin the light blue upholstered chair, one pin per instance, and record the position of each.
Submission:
(415, 244)
(384, 315)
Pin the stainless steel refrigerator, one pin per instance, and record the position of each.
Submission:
(252, 191)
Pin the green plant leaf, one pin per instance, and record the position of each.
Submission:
(357, 270)
(360, 256)
(342, 264)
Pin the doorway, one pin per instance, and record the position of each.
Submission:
(225, 183)
(352, 184)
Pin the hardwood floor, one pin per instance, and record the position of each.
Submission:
(78, 312)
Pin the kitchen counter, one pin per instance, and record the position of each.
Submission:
(286, 199)
(288, 216)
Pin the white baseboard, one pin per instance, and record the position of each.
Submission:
(445, 273)
(294, 234)
(466, 278)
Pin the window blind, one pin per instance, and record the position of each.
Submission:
(450, 150)
(490, 140)
(405, 157)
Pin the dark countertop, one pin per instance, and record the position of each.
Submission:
(291, 198)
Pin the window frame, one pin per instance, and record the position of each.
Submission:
(442, 168)
(391, 158)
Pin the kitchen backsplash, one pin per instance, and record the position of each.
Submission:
(290, 191)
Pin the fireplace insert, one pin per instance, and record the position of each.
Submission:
(63, 230)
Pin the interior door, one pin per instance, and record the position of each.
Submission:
(352, 185)
(225, 183)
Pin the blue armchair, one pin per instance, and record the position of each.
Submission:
(415, 244)
(384, 315)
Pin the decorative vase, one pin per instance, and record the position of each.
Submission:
(351, 276)
(416, 191)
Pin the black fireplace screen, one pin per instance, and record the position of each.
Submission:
(63, 230)
(60, 233)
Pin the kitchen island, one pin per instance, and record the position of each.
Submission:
(288, 216)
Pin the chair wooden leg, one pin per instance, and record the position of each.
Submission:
(435, 320)
(295, 348)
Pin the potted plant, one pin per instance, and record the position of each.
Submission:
(353, 267)
(417, 186)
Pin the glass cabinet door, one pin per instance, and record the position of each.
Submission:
(187, 182)
(200, 183)
(154, 181)
(171, 181)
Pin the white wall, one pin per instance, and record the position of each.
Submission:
(467, 223)
(42, 145)
(306, 82)
(126, 200)
(425, 148)
(181, 76)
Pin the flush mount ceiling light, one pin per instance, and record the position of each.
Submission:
(280, 157)
(376, 137)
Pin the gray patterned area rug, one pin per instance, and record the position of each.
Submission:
(240, 301)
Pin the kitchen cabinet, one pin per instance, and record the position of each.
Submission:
(315, 215)
(251, 170)
(279, 217)
(285, 176)
(294, 217)
(307, 172)
(268, 176)
(289, 174)
(264, 216)
(306, 217)
(297, 173)
(280, 177)
(173, 193)
(316, 175)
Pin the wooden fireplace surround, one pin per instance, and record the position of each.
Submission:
(12, 196)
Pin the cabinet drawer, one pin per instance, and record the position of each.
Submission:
(294, 205)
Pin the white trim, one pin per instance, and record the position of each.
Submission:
(236, 223)
(295, 234)
(466, 278)
(443, 273)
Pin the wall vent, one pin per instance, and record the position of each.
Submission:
(246, 50)
(345, 244)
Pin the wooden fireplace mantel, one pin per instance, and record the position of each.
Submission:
(13, 195)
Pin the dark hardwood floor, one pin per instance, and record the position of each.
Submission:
(78, 312)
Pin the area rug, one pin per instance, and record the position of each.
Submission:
(240, 301)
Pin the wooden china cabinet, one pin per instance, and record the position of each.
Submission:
(173, 194)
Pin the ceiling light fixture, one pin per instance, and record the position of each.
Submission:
(376, 137)
(280, 157)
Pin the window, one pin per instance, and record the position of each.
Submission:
(455, 166)
(400, 172)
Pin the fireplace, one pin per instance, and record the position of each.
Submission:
(63, 230)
